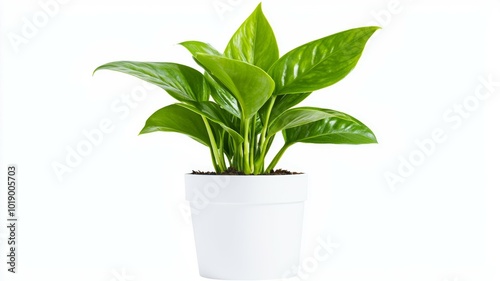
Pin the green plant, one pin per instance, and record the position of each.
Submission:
(248, 93)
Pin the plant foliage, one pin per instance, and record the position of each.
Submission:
(247, 94)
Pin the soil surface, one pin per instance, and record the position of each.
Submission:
(233, 171)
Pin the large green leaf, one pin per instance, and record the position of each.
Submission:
(182, 82)
(301, 116)
(254, 42)
(320, 63)
(250, 85)
(219, 94)
(223, 97)
(195, 47)
(213, 112)
(343, 129)
(175, 118)
(284, 102)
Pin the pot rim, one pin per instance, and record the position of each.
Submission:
(250, 176)
(239, 189)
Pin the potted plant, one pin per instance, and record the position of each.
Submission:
(247, 217)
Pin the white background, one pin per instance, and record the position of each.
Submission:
(116, 214)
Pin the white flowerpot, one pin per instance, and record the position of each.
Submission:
(247, 227)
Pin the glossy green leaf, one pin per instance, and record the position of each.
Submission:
(182, 82)
(284, 102)
(250, 85)
(175, 118)
(195, 47)
(320, 63)
(223, 97)
(342, 129)
(213, 112)
(219, 94)
(254, 42)
(299, 116)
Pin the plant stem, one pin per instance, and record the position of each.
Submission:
(213, 147)
(263, 145)
(221, 151)
(246, 149)
(214, 162)
(277, 158)
(265, 122)
(262, 157)
(253, 142)
(239, 157)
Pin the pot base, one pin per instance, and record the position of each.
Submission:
(248, 242)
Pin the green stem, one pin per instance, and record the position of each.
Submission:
(253, 143)
(241, 156)
(262, 156)
(240, 161)
(277, 158)
(221, 151)
(263, 141)
(214, 162)
(213, 147)
(265, 122)
(246, 149)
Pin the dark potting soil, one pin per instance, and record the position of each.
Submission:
(233, 171)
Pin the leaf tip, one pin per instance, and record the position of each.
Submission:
(104, 66)
(258, 10)
(375, 28)
(145, 130)
(95, 70)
